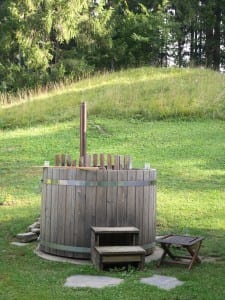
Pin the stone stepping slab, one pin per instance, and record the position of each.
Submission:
(162, 282)
(78, 281)
(27, 237)
(90, 281)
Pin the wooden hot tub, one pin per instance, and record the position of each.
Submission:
(73, 200)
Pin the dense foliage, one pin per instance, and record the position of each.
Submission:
(46, 41)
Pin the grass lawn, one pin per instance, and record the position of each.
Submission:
(189, 158)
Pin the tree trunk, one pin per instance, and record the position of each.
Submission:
(209, 44)
(217, 33)
(180, 53)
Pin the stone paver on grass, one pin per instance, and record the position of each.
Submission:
(163, 282)
(19, 244)
(91, 281)
(156, 255)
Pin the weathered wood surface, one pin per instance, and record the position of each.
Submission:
(108, 161)
(54, 209)
(73, 200)
(120, 250)
(128, 229)
(118, 254)
(114, 236)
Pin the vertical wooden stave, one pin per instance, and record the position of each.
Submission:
(80, 207)
(91, 197)
(88, 160)
(48, 208)
(109, 162)
(153, 203)
(111, 204)
(102, 160)
(127, 162)
(73, 209)
(69, 213)
(122, 199)
(131, 200)
(101, 206)
(146, 208)
(61, 215)
(54, 209)
(43, 205)
(57, 160)
(139, 193)
(116, 162)
(95, 160)
(63, 159)
(121, 162)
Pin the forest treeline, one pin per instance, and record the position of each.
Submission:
(44, 41)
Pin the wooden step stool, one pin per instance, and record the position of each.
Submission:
(111, 245)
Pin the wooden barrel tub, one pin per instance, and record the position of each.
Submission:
(73, 200)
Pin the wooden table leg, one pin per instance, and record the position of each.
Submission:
(194, 254)
(162, 258)
(165, 252)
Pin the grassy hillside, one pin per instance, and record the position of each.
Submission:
(144, 93)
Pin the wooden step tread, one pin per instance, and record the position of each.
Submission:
(111, 250)
(128, 229)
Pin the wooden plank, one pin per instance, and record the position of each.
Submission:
(127, 162)
(69, 213)
(121, 258)
(101, 206)
(88, 160)
(81, 161)
(102, 160)
(94, 243)
(95, 160)
(124, 229)
(119, 254)
(139, 194)
(43, 207)
(63, 159)
(88, 168)
(116, 162)
(119, 250)
(48, 206)
(57, 160)
(121, 165)
(80, 207)
(152, 220)
(131, 208)
(111, 204)
(54, 210)
(146, 208)
(109, 162)
(73, 209)
(68, 160)
(61, 216)
(91, 196)
(122, 200)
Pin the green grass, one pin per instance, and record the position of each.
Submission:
(190, 162)
(143, 93)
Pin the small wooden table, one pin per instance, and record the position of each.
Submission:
(191, 243)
